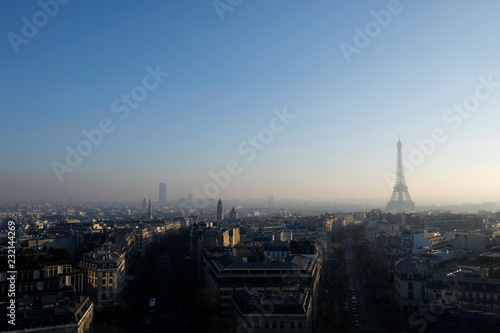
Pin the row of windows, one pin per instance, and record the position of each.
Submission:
(274, 324)
(104, 282)
(27, 287)
(105, 296)
(94, 274)
(268, 292)
(276, 254)
(48, 272)
(25, 275)
(47, 285)
(477, 296)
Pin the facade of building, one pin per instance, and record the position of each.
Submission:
(453, 222)
(469, 241)
(409, 278)
(467, 287)
(230, 237)
(379, 225)
(217, 238)
(104, 273)
(387, 252)
(68, 243)
(47, 280)
(143, 238)
(225, 274)
(59, 315)
(276, 251)
(253, 311)
(125, 240)
(427, 240)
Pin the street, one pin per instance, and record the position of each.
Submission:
(367, 315)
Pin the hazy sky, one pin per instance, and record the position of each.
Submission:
(346, 78)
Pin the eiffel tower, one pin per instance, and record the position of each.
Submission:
(400, 201)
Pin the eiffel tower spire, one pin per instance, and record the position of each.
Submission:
(400, 200)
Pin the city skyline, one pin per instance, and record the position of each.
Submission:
(294, 100)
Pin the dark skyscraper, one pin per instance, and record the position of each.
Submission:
(163, 193)
(400, 200)
(220, 211)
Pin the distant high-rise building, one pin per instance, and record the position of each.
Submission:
(233, 214)
(145, 202)
(400, 201)
(150, 212)
(220, 211)
(163, 193)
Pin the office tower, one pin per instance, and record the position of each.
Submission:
(220, 211)
(400, 200)
(163, 193)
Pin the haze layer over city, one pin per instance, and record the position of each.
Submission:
(291, 99)
(244, 166)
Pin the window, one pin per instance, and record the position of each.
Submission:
(300, 324)
(292, 324)
(410, 285)
(410, 294)
(274, 324)
(282, 324)
(266, 324)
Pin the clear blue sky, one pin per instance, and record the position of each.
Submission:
(225, 79)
